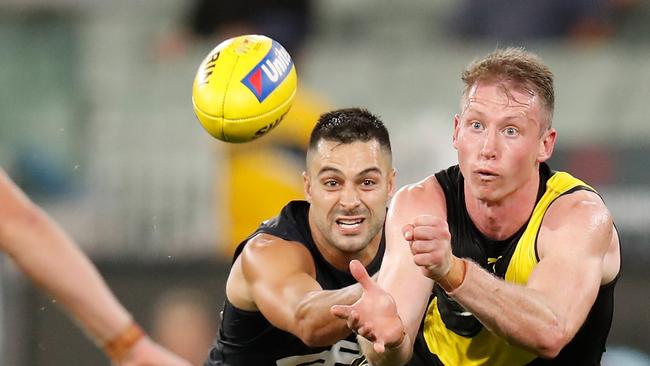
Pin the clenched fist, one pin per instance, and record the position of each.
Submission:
(430, 243)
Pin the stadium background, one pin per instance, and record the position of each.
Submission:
(96, 124)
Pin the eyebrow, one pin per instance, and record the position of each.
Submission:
(327, 169)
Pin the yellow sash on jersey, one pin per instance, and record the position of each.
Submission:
(485, 348)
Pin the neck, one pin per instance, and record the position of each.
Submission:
(340, 259)
(499, 220)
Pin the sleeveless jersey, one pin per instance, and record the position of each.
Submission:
(453, 336)
(247, 338)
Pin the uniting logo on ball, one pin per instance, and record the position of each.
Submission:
(265, 77)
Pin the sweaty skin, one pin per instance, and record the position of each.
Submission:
(501, 136)
(348, 186)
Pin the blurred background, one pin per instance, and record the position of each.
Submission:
(96, 124)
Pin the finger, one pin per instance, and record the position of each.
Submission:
(425, 220)
(360, 274)
(425, 233)
(424, 260)
(353, 319)
(431, 268)
(366, 333)
(431, 247)
(341, 311)
(379, 347)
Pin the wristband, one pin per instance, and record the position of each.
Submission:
(455, 277)
(118, 347)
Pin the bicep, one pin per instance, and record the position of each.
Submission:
(572, 243)
(279, 275)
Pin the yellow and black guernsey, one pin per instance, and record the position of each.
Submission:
(452, 336)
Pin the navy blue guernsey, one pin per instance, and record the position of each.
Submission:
(247, 338)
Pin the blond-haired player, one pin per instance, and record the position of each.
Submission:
(521, 260)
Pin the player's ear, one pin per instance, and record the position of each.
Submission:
(306, 186)
(391, 183)
(456, 126)
(546, 144)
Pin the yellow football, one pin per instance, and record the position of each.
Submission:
(243, 88)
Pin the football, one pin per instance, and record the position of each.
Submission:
(243, 88)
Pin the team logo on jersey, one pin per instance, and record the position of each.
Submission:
(342, 352)
(265, 77)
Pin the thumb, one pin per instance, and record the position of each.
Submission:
(407, 232)
(360, 274)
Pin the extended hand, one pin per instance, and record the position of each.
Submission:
(374, 316)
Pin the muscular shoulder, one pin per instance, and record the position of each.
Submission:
(582, 206)
(265, 252)
(265, 259)
(578, 217)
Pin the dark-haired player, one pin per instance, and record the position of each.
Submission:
(293, 268)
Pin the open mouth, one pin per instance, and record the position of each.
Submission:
(349, 223)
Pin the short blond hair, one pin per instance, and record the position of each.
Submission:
(517, 65)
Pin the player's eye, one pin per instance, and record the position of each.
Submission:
(476, 125)
(511, 131)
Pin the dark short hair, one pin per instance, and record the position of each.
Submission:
(349, 125)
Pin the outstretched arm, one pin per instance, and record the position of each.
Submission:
(577, 251)
(545, 314)
(375, 319)
(280, 279)
(45, 253)
(402, 282)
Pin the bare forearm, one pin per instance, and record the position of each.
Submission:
(50, 259)
(511, 311)
(317, 325)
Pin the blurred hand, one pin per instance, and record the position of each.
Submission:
(148, 353)
(374, 316)
(430, 243)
